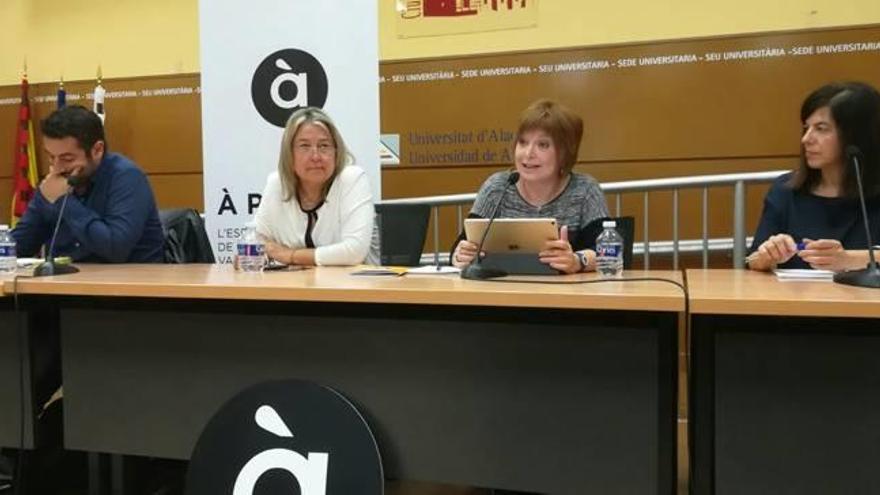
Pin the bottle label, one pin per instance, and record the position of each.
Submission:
(245, 249)
(7, 251)
(608, 251)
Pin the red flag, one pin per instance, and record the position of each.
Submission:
(24, 173)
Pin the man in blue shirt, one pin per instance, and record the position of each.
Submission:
(110, 216)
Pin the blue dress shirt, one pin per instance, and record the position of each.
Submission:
(114, 221)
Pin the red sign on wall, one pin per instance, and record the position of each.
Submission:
(437, 17)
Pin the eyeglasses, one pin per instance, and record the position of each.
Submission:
(323, 149)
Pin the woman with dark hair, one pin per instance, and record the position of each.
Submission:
(545, 153)
(812, 217)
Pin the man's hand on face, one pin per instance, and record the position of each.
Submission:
(55, 185)
(67, 159)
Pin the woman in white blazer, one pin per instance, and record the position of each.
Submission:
(316, 208)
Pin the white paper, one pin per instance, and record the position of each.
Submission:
(26, 262)
(803, 274)
(433, 270)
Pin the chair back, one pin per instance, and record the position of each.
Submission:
(402, 231)
(186, 240)
(586, 238)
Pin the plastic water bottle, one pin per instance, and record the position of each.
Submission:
(250, 250)
(609, 251)
(8, 258)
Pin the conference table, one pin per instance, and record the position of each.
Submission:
(785, 385)
(553, 385)
(13, 358)
(29, 374)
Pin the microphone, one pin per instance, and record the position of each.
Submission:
(476, 271)
(50, 267)
(870, 276)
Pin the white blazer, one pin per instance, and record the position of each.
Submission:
(344, 229)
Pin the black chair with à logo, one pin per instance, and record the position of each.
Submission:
(186, 240)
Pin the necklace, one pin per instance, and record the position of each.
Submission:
(541, 200)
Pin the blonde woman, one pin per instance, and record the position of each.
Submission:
(316, 208)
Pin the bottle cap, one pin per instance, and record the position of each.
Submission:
(609, 224)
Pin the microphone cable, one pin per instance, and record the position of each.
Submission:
(686, 330)
(681, 286)
(18, 471)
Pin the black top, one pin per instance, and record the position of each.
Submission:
(805, 215)
(312, 215)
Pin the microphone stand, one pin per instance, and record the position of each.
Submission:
(870, 276)
(50, 267)
(475, 270)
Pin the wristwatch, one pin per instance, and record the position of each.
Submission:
(583, 258)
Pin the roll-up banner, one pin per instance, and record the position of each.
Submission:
(261, 61)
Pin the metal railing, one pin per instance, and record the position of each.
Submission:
(614, 192)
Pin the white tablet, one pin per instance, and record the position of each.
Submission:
(512, 235)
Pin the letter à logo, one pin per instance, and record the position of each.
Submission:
(308, 439)
(300, 82)
(309, 471)
(286, 81)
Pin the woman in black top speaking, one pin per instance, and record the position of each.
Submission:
(812, 217)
